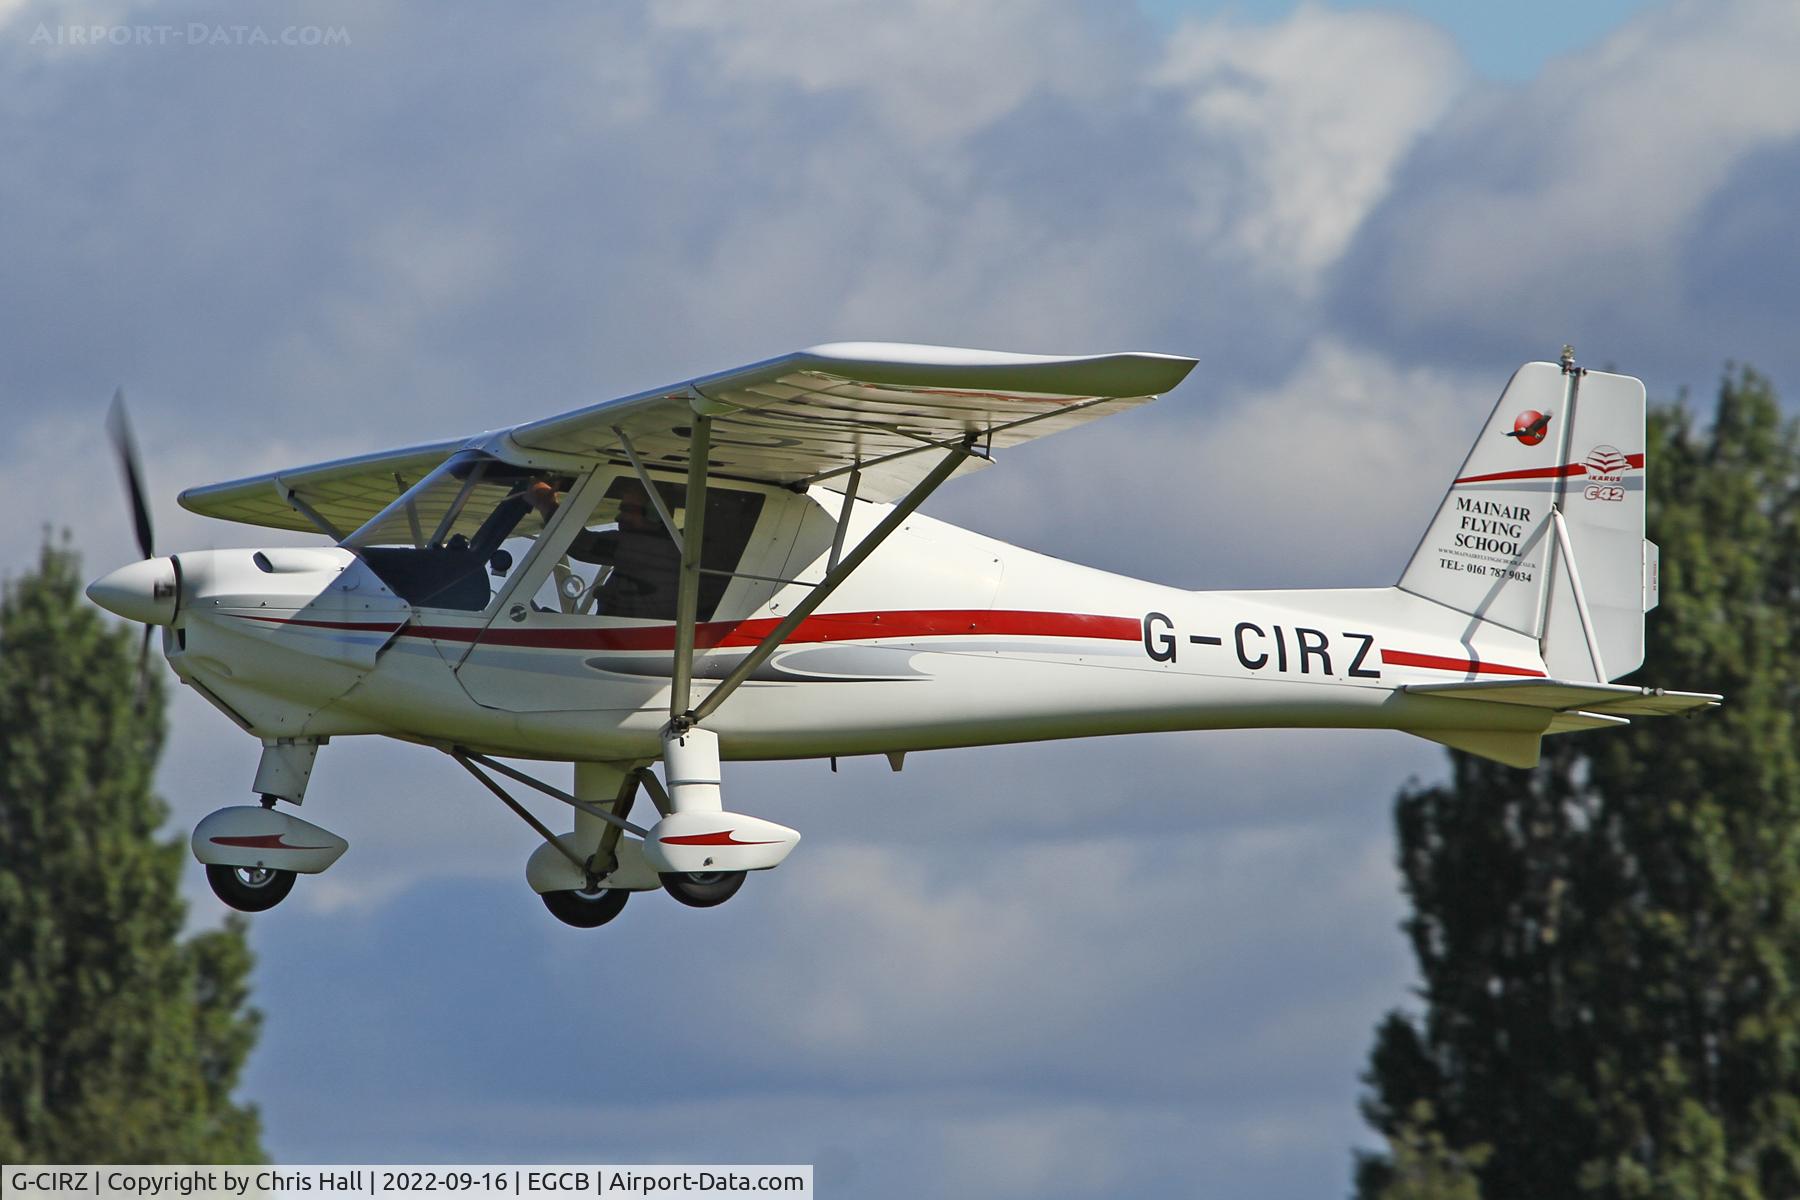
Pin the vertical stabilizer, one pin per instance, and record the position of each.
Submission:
(1542, 530)
(1487, 550)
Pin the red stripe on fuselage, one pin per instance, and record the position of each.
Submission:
(352, 626)
(1436, 662)
(823, 627)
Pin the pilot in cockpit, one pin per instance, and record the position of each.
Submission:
(645, 561)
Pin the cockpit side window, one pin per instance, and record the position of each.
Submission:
(452, 539)
(623, 563)
(440, 545)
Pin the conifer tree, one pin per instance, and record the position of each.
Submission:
(1609, 944)
(120, 1040)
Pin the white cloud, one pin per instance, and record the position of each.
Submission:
(46, 24)
(1322, 477)
(912, 956)
(884, 1003)
(874, 1146)
(1315, 112)
(935, 70)
(1569, 208)
(420, 267)
(1068, 1148)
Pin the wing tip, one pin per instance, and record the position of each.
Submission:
(1131, 372)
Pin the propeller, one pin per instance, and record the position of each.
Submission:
(118, 429)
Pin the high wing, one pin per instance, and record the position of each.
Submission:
(815, 415)
(343, 493)
(884, 410)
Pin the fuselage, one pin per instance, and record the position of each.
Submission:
(942, 638)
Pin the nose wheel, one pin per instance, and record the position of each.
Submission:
(252, 853)
(249, 889)
(702, 889)
(588, 908)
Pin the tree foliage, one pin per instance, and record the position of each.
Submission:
(1608, 943)
(120, 1040)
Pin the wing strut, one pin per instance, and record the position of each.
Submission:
(469, 760)
(687, 602)
(310, 513)
(843, 525)
(650, 488)
(681, 715)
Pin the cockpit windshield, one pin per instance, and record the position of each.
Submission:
(441, 544)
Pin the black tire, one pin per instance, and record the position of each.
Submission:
(249, 889)
(586, 910)
(702, 889)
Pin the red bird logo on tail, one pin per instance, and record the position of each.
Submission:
(1530, 427)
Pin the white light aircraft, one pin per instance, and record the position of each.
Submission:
(735, 568)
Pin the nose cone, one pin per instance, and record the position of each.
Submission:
(141, 591)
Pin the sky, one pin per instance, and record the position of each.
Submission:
(1132, 967)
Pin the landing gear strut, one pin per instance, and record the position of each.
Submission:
(252, 852)
(694, 853)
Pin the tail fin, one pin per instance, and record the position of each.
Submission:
(1542, 530)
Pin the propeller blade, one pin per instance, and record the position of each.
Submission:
(143, 675)
(118, 426)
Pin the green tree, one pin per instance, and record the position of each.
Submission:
(1609, 944)
(120, 1041)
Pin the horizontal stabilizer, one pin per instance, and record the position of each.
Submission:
(1604, 699)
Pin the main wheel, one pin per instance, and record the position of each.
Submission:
(586, 909)
(702, 889)
(249, 889)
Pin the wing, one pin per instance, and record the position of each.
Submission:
(809, 417)
(815, 415)
(345, 492)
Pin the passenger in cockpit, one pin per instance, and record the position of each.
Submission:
(645, 560)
